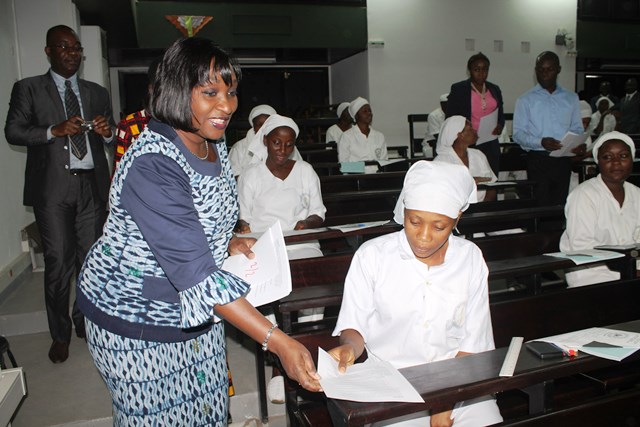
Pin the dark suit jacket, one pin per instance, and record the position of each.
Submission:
(459, 102)
(630, 114)
(35, 105)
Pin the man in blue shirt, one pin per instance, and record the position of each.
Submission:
(542, 117)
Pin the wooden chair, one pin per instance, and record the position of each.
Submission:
(415, 143)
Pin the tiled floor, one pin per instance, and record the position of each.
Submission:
(72, 393)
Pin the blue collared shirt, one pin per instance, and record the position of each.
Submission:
(74, 162)
(540, 114)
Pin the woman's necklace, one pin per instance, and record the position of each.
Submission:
(482, 94)
(206, 155)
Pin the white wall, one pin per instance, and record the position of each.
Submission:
(350, 78)
(424, 51)
(13, 216)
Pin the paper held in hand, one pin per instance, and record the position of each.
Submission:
(268, 273)
(569, 142)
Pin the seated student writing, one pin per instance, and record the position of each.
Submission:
(361, 142)
(420, 295)
(281, 189)
(604, 210)
(454, 142)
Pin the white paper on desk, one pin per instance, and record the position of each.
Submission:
(390, 161)
(358, 226)
(268, 273)
(498, 183)
(614, 344)
(487, 125)
(587, 256)
(257, 235)
(371, 381)
(569, 142)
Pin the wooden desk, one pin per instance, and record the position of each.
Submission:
(442, 384)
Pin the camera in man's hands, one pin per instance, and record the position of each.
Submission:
(86, 126)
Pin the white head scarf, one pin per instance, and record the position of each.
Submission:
(611, 104)
(613, 135)
(438, 187)
(341, 108)
(276, 121)
(259, 110)
(356, 105)
(256, 145)
(585, 109)
(449, 133)
(444, 97)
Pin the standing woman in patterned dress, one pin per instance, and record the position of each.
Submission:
(151, 288)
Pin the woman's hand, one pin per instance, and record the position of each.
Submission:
(345, 355)
(497, 130)
(296, 360)
(441, 419)
(301, 225)
(242, 245)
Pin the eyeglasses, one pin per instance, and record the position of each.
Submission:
(65, 48)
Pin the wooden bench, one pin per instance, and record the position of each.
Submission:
(362, 182)
(531, 317)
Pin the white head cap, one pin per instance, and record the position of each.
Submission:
(343, 106)
(610, 136)
(356, 105)
(449, 133)
(611, 104)
(585, 110)
(276, 121)
(437, 187)
(259, 110)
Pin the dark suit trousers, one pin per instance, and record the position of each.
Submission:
(491, 150)
(552, 176)
(68, 225)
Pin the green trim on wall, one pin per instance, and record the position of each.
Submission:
(256, 26)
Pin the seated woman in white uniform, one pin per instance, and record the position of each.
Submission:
(454, 140)
(361, 142)
(604, 210)
(345, 122)
(281, 189)
(420, 295)
(239, 154)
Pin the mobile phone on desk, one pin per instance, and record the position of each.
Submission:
(545, 350)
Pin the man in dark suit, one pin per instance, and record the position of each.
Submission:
(629, 109)
(64, 122)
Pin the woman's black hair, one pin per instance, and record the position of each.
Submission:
(186, 64)
(477, 57)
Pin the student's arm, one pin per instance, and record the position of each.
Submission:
(351, 347)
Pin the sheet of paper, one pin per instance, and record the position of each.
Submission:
(569, 142)
(607, 351)
(359, 226)
(390, 161)
(498, 183)
(268, 273)
(601, 342)
(587, 256)
(371, 381)
(487, 125)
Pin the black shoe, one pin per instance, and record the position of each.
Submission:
(81, 332)
(59, 351)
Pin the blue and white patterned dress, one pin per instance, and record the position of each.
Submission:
(149, 284)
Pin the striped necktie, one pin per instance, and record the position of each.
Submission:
(78, 142)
